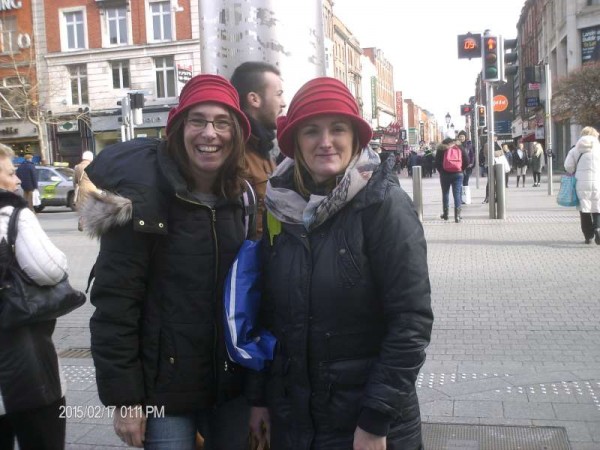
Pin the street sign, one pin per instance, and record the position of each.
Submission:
(532, 102)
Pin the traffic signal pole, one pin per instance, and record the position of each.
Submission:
(490, 152)
(476, 144)
(548, 131)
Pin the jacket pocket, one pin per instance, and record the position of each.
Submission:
(167, 360)
(349, 269)
(347, 380)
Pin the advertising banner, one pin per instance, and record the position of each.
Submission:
(590, 45)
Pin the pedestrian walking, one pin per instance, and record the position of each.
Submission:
(351, 327)
(509, 160)
(260, 89)
(520, 162)
(584, 162)
(468, 146)
(29, 178)
(32, 393)
(451, 174)
(537, 163)
(170, 221)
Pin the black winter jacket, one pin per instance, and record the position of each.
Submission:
(157, 330)
(350, 306)
(29, 373)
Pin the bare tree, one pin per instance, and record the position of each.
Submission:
(577, 96)
(21, 91)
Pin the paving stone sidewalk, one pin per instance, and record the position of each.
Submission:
(516, 337)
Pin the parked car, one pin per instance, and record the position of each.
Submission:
(56, 187)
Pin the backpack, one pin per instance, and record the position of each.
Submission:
(452, 160)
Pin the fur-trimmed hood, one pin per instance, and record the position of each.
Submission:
(103, 211)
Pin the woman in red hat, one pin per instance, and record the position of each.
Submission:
(347, 289)
(170, 222)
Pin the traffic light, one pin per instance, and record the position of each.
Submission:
(465, 110)
(492, 58)
(510, 59)
(481, 116)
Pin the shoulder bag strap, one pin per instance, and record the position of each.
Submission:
(249, 200)
(13, 230)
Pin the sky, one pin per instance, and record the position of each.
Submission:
(419, 38)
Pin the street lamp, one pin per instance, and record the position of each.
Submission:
(448, 119)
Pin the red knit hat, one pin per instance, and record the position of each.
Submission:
(209, 88)
(318, 97)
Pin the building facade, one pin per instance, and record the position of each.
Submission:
(386, 104)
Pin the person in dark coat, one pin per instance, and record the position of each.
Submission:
(29, 178)
(261, 97)
(32, 396)
(351, 327)
(170, 223)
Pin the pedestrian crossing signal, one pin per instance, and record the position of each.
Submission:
(481, 116)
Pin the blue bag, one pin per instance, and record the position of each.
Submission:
(567, 195)
(245, 344)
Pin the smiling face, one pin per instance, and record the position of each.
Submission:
(9, 180)
(326, 145)
(207, 148)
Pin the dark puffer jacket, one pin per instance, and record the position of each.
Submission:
(350, 306)
(157, 330)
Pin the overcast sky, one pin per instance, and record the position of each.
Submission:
(419, 38)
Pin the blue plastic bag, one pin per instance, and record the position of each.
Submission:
(246, 345)
(567, 195)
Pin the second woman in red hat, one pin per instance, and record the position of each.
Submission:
(347, 289)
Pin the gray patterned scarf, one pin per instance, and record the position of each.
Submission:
(290, 207)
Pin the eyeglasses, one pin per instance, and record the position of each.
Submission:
(218, 124)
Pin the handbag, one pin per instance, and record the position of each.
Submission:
(35, 198)
(22, 301)
(246, 344)
(567, 195)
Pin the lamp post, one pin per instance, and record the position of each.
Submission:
(448, 120)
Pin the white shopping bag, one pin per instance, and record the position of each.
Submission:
(36, 198)
(466, 195)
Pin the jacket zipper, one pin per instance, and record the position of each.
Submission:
(214, 233)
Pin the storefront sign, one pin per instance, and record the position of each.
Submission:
(67, 127)
(184, 73)
(374, 97)
(8, 131)
(590, 45)
(500, 103)
(532, 102)
(7, 5)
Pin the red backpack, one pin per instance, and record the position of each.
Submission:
(452, 160)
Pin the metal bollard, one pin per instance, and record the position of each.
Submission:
(417, 178)
(500, 191)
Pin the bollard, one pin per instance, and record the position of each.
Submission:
(500, 191)
(417, 179)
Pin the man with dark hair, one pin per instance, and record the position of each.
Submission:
(261, 97)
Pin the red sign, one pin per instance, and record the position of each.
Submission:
(500, 103)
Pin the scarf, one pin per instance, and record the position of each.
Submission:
(290, 207)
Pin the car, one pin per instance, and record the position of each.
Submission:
(56, 187)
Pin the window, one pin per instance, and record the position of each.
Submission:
(120, 74)
(165, 77)
(117, 25)
(8, 34)
(79, 87)
(74, 30)
(161, 21)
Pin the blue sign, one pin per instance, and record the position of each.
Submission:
(502, 126)
(532, 102)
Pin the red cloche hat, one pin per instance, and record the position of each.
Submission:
(209, 88)
(320, 96)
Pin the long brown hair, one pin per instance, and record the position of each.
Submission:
(229, 180)
(301, 168)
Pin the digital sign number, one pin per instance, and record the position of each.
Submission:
(469, 46)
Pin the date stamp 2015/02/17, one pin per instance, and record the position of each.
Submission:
(108, 412)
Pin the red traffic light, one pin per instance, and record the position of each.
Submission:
(465, 110)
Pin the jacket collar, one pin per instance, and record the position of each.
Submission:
(8, 198)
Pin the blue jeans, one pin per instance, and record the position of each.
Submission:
(453, 180)
(223, 428)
